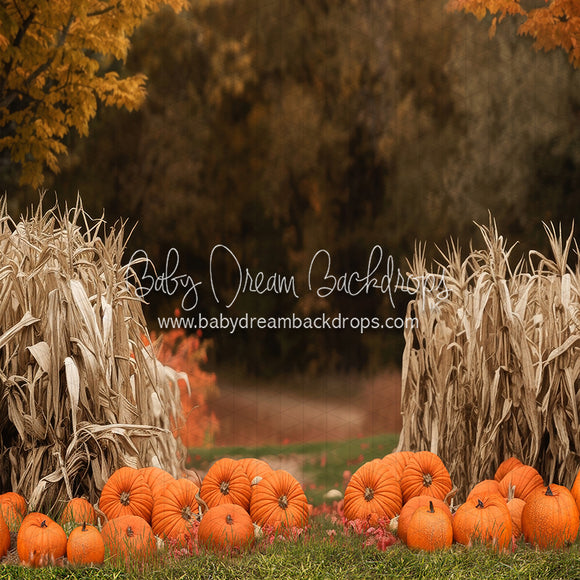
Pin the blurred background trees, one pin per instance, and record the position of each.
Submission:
(280, 128)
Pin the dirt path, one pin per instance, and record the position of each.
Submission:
(251, 417)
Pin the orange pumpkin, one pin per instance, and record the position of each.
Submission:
(576, 490)
(157, 479)
(85, 546)
(226, 527)
(409, 509)
(372, 493)
(485, 487)
(12, 509)
(128, 538)
(4, 538)
(176, 511)
(279, 501)
(550, 517)
(397, 460)
(524, 479)
(78, 511)
(126, 493)
(430, 528)
(425, 474)
(515, 507)
(483, 519)
(226, 482)
(40, 541)
(254, 467)
(505, 467)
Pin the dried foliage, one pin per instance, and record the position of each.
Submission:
(81, 392)
(492, 370)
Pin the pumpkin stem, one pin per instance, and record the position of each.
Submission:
(229, 520)
(549, 491)
(283, 502)
(130, 532)
(43, 524)
(427, 479)
(479, 504)
(431, 508)
(225, 488)
(186, 513)
(84, 529)
(124, 497)
(369, 494)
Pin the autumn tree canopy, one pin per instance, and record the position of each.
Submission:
(551, 23)
(52, 76)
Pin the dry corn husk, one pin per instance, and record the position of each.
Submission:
(493, 367)
(81, 393)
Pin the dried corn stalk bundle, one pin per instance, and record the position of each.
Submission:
(493, 367)
(81, 393)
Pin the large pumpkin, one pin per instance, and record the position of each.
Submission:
(157, 479)
(524, 479)
(85, 546)
(176, 511)
(12, 509)
(40, 541)
(126, 493)
(411, 506)
(484, 519)
(425, 474)
(129, 538)
(226, 482)
(254, 467)
(430, 528)
(372, 493)
(550, 517)
(279, 501)
(226, 527)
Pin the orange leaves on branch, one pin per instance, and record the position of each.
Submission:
(52, 61)
(187, 353)
(554, 25)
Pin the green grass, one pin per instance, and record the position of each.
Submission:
(317, 555)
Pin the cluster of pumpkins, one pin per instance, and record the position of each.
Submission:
(414, 491)
(141, 507)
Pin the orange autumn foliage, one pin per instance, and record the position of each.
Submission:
(556, 24)
(187, 353)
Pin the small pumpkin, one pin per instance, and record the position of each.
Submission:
(430, 528)
(550, 517)
(485, 487)
(40, 541)
(279, 501)
(128, 538)
(13, 508)
(484, 519)
(78, 510)
(226, 482)
(372, 493)
(505, 467)
(5, 538)
(515, 507)
(425, 474)
(524, 479)
(226, 527)
(85, 546)
(126, 493)
(176, 511)
(411, 506)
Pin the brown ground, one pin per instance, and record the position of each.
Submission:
(254, 416)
